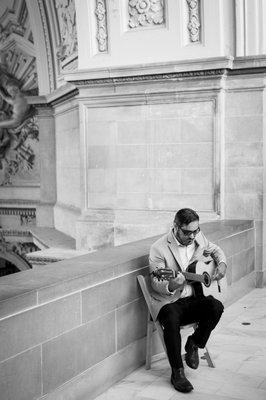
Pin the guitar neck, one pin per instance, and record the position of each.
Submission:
(164, 273)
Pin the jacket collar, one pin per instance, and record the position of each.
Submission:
(174, 247)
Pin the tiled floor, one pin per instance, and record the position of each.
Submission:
(238, 347)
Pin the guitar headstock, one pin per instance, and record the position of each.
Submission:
(163, 274)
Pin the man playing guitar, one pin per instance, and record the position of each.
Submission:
(179, 301)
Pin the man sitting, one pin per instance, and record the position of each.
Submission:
(179, 302)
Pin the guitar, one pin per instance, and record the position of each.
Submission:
(198, 271)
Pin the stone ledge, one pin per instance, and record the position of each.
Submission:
(72, 274)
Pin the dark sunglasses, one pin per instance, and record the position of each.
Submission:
(188, 233)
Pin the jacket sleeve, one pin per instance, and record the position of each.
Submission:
(157, 261)
(214, 251)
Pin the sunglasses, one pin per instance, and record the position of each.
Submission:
(188, 233)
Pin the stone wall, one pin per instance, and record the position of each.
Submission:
(165, 137)
(73, 328)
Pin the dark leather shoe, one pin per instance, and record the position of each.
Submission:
(179, 381)
(192, 355)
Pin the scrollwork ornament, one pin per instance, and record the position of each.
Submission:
(194, 20)
(101, 36)
(145, 13)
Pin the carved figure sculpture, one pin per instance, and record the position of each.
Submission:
(19, 104)
(5, 140)
(67, 20)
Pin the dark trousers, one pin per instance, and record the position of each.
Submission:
(206, 311)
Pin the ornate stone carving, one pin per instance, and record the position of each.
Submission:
(15, 232)
(17, 51)
(149, 77)
(12, 27)
(67, 21)
(27, 219)
(30, 212)
(101, 25)
(14, 253)
(145, 13)
(23, 248)
(42, 260)
(194, 20)
(18, 148)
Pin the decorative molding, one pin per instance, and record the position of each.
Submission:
(63, 98)
(66, 13)
(19, 202)
(31, 212)
(41, 4)
(16, 232)
(42, 260)
(102, 34)
(150, 77)
(70, 63)
(194, 24)
(247, 71)
(27, 215)
(143, 13)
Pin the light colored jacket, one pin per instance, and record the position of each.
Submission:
(164, 253)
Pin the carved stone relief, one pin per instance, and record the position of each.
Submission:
(102, 35)
(25, 216)
(17, 53)
(13, 254)
(194, 24)
(145, 13)
(19, 136)
(66, 13)
(19, 133)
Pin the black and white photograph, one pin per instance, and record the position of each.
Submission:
(132, 182)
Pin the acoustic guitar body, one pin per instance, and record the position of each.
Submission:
(200, 275)
(217, 289)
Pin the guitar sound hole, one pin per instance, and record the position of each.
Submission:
(207, 279)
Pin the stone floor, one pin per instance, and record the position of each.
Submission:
(238, 348)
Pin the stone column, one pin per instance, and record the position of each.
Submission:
(45, 212)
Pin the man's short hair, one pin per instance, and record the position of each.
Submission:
(185, 216)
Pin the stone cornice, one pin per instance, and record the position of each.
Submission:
(150, 72)
(247, 71)
(146, 73)
(171, 71)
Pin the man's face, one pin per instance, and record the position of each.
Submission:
(185, 234)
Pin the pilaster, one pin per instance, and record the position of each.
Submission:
(44, 212)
